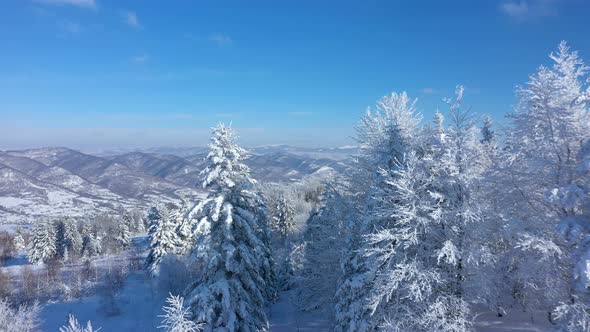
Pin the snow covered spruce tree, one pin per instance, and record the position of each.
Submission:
(91, 241)
(123, 236)
(384, 138)
(232, 243)
(284, 222)
(68, 239)
(43, 243)
(162, 236)
(153, 217)
(183, 229)
(488, 135)
(19, 240)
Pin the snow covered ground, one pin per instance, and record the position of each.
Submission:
(284, 317)
(515, 322)
(141, 302)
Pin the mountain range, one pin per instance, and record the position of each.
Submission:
(50, 182)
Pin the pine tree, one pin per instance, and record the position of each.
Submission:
(153, 217)
(68, 239)
(284, 222)
(130, 223)
(74, 237)
(43, 244)
(184, 229)
(439, 135)
(19, 241)
(135, 221)
(488, 135)
(60, 241)
(233, 244)
(91, 242)
(123, 237)
(162, 237)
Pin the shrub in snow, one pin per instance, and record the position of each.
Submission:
(73, 326)
(8, 246)
(574, 317)
(5, 285)
(176, 316)
(22, 319)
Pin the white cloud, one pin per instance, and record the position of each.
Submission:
(430, 91)
(132, 20)
(71, 28)
(221, 39)
(515, 9)
(88, 4)
(528, 9)
(140, 58)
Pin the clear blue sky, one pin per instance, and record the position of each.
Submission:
(103, 73)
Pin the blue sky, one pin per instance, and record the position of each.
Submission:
(94, 74)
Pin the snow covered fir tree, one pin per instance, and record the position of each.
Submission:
(162, 237)
(283, 221)
(232, 243)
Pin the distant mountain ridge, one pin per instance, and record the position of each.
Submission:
(44, 182)
(336, 153)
